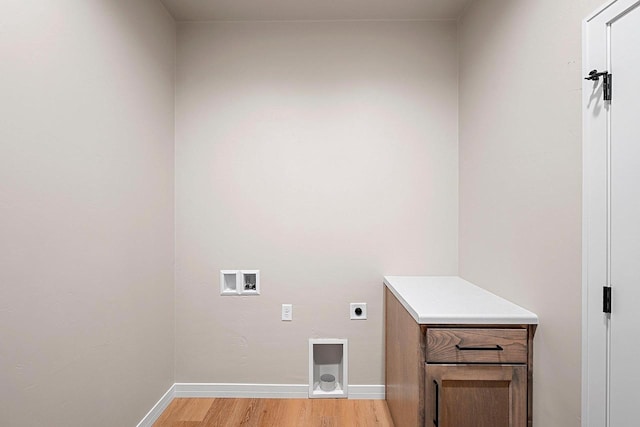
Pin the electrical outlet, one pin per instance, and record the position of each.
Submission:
(358, 310)
(287, 312)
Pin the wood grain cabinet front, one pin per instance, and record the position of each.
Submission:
(456, 375)
(476, 345)
(476, 377)
(476, 396)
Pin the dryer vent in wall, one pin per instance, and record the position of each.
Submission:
(328, 363)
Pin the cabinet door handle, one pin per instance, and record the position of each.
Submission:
(437, 418)
(494, 348)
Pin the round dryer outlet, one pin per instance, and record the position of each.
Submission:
(358, 310)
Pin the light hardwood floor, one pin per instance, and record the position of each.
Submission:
(213, 412)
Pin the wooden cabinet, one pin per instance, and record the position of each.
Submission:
(476, 345)
(446, 375)
(404, 365)
(476, 395)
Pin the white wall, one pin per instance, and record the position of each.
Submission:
(86, 208)
(323, 154)
(520, 177)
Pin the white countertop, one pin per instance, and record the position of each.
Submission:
(450, 299)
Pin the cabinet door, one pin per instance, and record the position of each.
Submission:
(475, 395)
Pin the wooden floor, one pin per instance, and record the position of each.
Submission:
(194, 412)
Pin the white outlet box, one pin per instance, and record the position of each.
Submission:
(287, 312)
(249, 282)
(239, 282)
(358, 310)
(229, 282)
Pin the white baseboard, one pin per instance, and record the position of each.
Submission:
(157, 410)
(277, 391)
(366, 392)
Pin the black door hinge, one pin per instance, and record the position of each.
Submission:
(606, 82)
(606, 299)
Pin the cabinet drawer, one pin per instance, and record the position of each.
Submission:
(476, 345)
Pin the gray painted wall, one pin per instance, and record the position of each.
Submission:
(521, 174)
(86, 208)
(323, 154)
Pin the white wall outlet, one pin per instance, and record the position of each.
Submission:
(287, 312)
(358, 310)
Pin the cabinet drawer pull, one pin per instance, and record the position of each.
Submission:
(437, 418)
(494, 348)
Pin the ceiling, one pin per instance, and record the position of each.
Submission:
(261, 10)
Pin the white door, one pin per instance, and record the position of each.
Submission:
(611, 245)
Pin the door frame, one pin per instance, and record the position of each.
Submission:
(595, 215)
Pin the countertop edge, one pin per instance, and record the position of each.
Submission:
(404, 303)
(461, 319)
